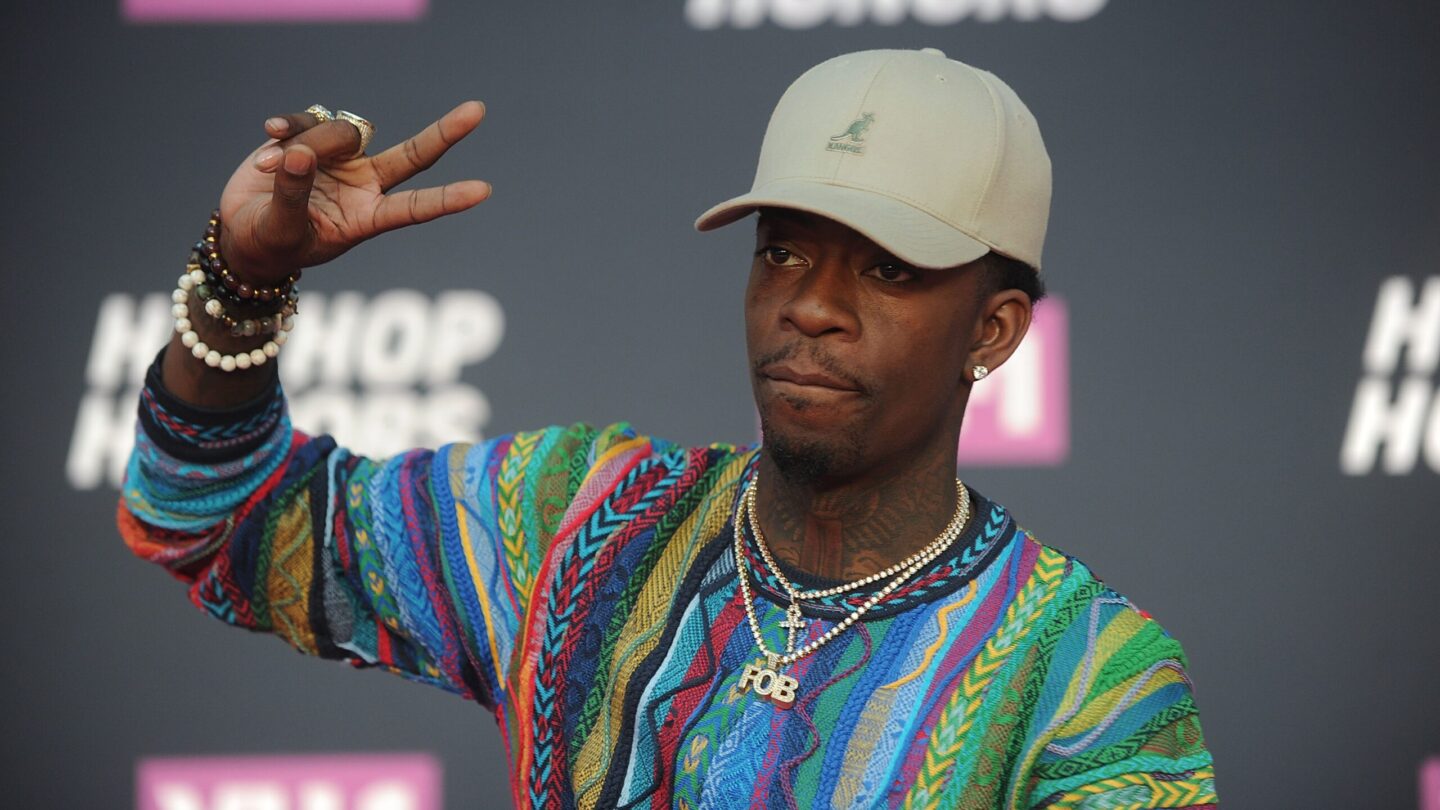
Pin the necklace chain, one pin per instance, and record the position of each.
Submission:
(745, 515)
(946, 537)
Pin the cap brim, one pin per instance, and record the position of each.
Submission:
(914, 236)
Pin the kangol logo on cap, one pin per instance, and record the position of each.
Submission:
(852, 140)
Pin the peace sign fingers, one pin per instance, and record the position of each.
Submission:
(420, 151)
(411, 207)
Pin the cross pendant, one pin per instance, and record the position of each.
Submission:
(794, 624)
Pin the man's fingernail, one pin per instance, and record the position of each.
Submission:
(297, 162)
(277, 125)
(267, 158)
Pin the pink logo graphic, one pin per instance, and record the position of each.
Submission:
(1020, 414)
(1430, 784)
(309, 782)
(162, 11)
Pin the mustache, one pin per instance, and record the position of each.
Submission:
(814, 354)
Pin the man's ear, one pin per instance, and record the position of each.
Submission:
(1004, 320)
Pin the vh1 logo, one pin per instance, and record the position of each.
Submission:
(186, 11)
(310, 782)
(1020, 414)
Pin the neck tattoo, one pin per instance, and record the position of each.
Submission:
(766, 677)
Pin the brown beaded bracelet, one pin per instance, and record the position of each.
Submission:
(267, 324)
(226, 284)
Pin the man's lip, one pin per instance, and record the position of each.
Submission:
(804, 376)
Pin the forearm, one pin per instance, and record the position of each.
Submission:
(272, 529)
(284, 533)
(192, 381)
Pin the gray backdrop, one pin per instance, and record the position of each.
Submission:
(1234, 181)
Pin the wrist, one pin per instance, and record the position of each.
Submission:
(226, 323)
(247, 281)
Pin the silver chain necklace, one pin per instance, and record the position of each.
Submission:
(766, 678)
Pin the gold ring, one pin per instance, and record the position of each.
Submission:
(367, 129)
(321, 113)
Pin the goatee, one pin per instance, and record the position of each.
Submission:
(808, 461)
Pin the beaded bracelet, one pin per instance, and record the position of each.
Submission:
(196, 281)
(206, 253)
(190, 339)
(208, 279)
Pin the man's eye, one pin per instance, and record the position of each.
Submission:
(892, 272)
(777, 256)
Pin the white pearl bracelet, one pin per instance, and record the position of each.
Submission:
(214, 359)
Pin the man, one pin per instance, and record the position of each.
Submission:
(831, 620)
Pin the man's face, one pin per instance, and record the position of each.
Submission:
(858, 360)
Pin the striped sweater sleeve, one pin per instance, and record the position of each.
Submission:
(1118, 725)
(421, 564)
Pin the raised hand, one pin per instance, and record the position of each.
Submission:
(307, 196)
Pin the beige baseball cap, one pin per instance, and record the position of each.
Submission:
(934, 160)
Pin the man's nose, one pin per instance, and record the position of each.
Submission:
(823, 302)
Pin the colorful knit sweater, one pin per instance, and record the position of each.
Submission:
(581, 583)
